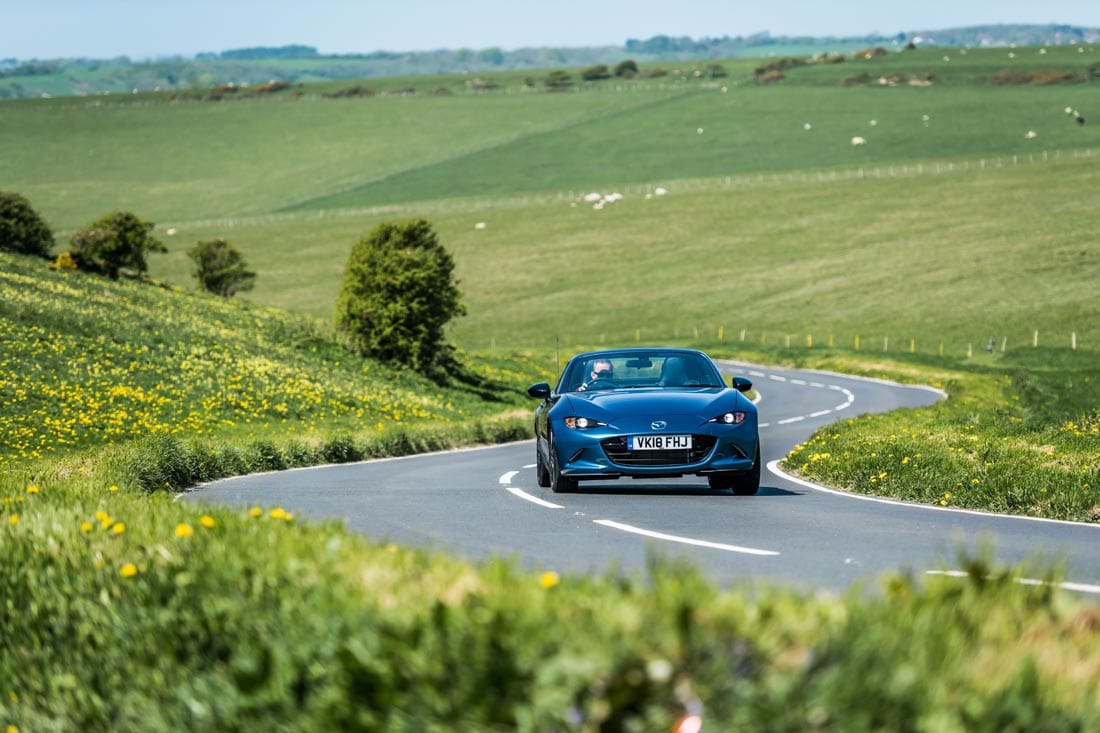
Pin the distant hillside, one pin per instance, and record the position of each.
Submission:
(298, 63)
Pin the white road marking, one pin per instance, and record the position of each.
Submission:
(820, 413)
(790, 420)
(533, 499)
(774, 468)
(799, 382)
(777, 378)
(529, 465)
(507, 478)
(683, 540)
(1065, 585)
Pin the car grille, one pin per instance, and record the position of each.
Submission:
(615, 448)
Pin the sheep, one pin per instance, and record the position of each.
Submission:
(593, 197)
(660, 191)
(857, 140)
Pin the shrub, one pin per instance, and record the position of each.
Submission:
(626, 69)
(1009, 76)
(596, 73)
(1094, 70)
(715, 71)
(22, 230)
(116, 241)
(399, 292)
(220, 268)
(558, 79)
(1055, 76)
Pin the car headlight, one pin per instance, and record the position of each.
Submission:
(583, 423)
(730, 418)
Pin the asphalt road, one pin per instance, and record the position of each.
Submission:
(483, 502)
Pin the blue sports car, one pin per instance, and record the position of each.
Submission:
(646, 413)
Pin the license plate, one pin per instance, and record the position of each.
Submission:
(659, 442)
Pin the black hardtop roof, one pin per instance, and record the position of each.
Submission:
(632, 350)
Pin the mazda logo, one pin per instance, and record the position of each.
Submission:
(658, 425)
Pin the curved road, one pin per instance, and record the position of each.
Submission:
(481, 502)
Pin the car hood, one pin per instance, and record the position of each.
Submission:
(620, 403)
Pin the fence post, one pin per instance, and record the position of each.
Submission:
(941, 348)
(970, 351)
(857, 343)
(885, 343)
(721, 333)
(809, 340)
(1073, 340)
(1035, 340)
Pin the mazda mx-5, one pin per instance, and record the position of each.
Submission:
(646, 413)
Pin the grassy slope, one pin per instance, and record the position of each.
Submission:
(88, 364)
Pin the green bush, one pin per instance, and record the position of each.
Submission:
(626, 69)
(22, 230)
(220, 268)
(399, 292)
(596, 73)
(114, 242)
(558, 80)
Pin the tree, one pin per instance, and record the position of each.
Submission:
(22, 230)
(113, 242)
(220, 268)
(399, 292)
(627, 69)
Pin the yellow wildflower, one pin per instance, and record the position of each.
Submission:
(112, 488)
(118, 528)
(256, 511)
(183, 531)
(278, 513)
(85, 527)
(549, 579)
(207, 521)
(32, 489)
(13, 520)
(128, 570)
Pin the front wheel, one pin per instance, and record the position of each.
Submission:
(542, 474)
(748, 483)
(559, 484)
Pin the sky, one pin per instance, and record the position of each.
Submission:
(144, 29)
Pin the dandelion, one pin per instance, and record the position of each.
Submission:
(118, 528)
(207, 521)
(128, 570)
(85, 527)
(256, 511)
(549, 579)
(13, 520)
(183, 531)
(278, 513)
(112, 488)
(32, 489)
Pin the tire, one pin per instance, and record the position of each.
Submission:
(559, 484)
(542, 475)
(748, 483)
(722, 481)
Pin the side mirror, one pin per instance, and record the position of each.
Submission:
(540, 391)
(741, 384)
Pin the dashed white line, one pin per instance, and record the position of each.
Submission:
(790, 420)
(684, 540)
(507, 478)
(533, 499)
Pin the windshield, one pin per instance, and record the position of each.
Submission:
(667, 369)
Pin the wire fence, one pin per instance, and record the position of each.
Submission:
(720, 336)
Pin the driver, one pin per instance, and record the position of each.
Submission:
(601, 369)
